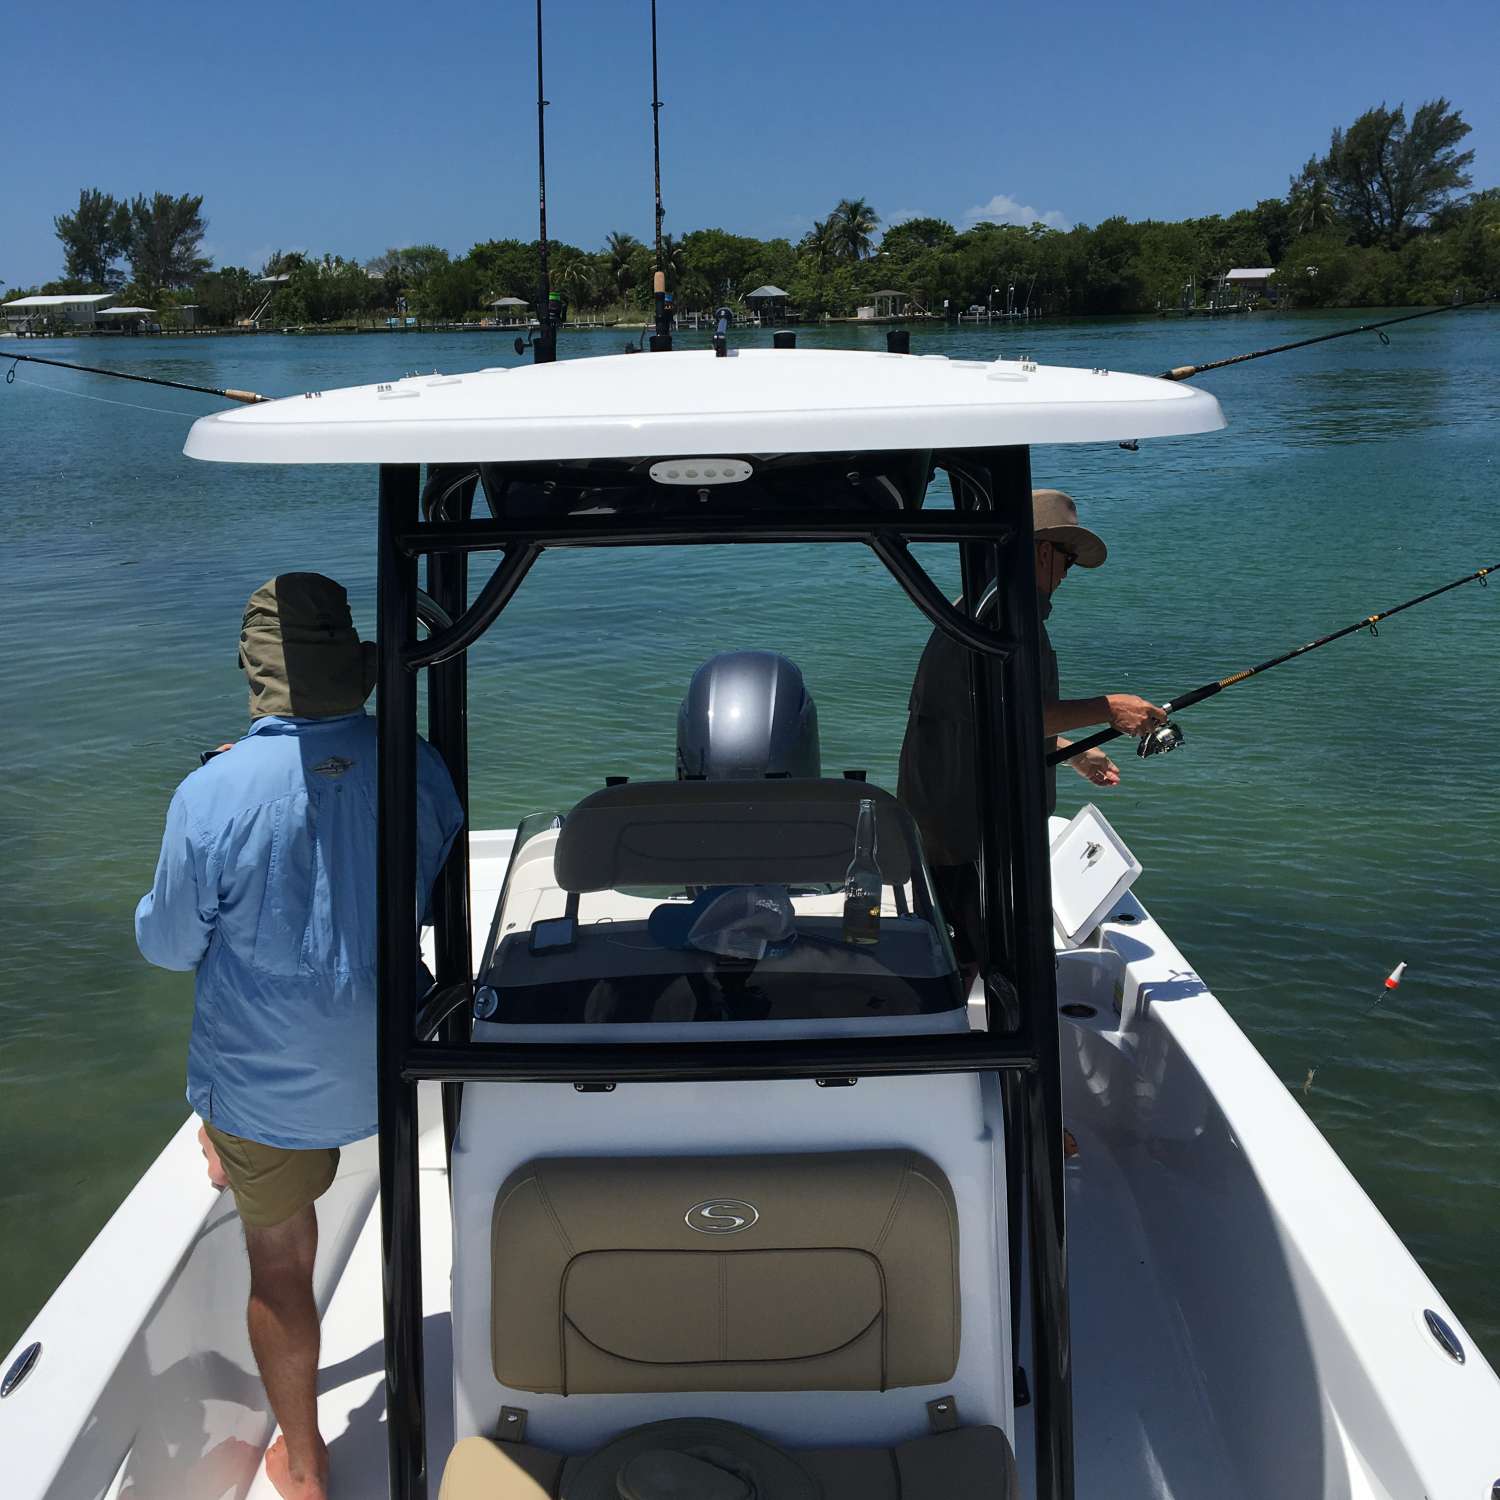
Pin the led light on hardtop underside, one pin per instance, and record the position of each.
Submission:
(699, 471)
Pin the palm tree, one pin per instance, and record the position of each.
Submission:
(821, 243)
(572, 271)
(621, 249)
(855, 222)
(1311, 202)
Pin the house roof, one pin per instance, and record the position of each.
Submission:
(510, 302)
(1251, 273)
(766, 291)
(109, 312)
(65, 299)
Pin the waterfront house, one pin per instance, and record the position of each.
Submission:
(1250, 282)
(58, 311)
(769, 303)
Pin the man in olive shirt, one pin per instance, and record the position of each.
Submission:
(937, 755)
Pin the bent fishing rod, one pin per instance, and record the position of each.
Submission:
(1167, 736)
(1186, 372)
(248, 397)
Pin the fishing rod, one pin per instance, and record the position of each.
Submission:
(549, 313)
(1185, 372)
(1168, 736)
(662, 338)
(248, 397)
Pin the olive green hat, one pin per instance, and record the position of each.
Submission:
(1054, 518)
(300, 651)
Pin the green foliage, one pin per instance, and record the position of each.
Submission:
(1385, 179)
(165, 236)
(94, 236)
(855, 223)
(226, 295)
(1378, 220)
(912, 236)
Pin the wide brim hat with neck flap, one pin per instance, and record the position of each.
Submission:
(300, 651)
(1054, 518)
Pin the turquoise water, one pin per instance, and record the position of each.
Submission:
(1323, 823)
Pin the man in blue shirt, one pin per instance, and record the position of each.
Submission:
(266, 889)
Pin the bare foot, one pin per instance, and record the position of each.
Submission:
(301, 1486)
(216, 1174)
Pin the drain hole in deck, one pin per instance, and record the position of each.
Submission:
(1078, 1010)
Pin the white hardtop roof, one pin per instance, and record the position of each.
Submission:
(62, 299)
(691, 402)
(1251, 273)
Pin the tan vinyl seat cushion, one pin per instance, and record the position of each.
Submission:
(970, 1463)
(841, 1274)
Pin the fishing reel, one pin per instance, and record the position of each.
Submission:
(1164, 738)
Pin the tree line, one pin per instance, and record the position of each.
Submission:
(1382, 217)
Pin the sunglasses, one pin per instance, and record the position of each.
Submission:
(1070, 559)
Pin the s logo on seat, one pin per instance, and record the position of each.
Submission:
(721, 1216)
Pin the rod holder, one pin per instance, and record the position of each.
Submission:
(782, 339)
(898, 341)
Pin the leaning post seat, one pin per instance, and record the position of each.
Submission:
(704, 833)
(824, 1271)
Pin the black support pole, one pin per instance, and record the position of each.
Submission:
(980, 566)
(1036, 981)
(447, 728)
(396, 973)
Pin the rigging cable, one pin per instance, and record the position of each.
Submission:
(62, 390)
(1209, 689)
(248, 397)
(1186, 372)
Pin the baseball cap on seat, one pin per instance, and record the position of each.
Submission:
(733, 921)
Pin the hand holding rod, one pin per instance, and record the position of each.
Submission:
(1198, 694)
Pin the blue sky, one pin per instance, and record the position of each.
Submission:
(353, 127)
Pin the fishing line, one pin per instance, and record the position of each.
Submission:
(1167, 736)
(1392, 982)
(58, 390)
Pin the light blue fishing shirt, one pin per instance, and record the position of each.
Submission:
(266, 887)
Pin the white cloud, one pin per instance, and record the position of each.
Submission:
(1003, 209)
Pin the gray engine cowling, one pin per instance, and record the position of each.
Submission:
(747, 715)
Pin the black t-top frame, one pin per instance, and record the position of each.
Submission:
(529, 513)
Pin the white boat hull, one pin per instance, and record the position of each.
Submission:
(1244, 1321)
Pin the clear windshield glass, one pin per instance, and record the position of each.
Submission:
(789, 911)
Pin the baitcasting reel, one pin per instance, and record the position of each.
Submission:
(1163, 738)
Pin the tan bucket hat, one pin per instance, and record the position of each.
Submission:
(300, 652)
(1054, 518)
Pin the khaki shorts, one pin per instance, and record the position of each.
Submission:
(271, 1183)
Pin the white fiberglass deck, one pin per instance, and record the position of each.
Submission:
(1244, 1322)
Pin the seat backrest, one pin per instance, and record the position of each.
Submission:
(649, 833)
(834, 1271)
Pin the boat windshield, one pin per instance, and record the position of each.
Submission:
(724, 902)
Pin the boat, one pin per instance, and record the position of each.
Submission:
(701, 1170)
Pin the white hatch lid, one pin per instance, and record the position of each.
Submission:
(690, 402)
(1092, 867)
